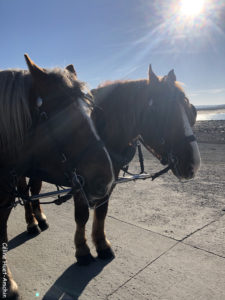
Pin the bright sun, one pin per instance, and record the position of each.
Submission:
(191, 8)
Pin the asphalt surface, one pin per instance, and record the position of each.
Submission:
(168, 237)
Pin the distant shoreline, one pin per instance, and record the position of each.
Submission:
(213, 114)
(209, 107)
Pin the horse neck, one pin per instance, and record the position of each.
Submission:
(120, 112)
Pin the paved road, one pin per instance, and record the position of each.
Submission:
(168, 236)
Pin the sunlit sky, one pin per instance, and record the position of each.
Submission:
(117, 39)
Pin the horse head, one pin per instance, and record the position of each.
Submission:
(65, 144)
(166, 125)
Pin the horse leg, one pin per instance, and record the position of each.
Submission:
(8, 287)
(83, 254)
(35, 188)
(101, 243)
(32, 224)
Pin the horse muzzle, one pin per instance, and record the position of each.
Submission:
(183, 172)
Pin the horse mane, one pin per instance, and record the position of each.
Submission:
(118, 103)
(15, 115)
(131, 87)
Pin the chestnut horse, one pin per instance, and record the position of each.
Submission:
(155, 111)
(46, 133)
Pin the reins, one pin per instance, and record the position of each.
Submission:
(23, 199)
(142, 174)
(63, 194)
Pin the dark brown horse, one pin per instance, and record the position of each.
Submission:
(46, 133)
(157, 112)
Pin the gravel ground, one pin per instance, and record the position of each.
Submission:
(210, 132)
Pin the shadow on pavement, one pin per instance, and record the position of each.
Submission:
(19, 240)
(70, 285)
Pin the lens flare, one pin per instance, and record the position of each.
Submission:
(191, 8)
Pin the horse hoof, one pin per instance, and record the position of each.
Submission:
(13, 296)
(43, 225)
(85, 260)
(106, 253)
(34, 230)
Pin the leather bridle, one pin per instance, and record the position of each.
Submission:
(75, 180)
(167, 157)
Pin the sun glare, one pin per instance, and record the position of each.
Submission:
(191, 8)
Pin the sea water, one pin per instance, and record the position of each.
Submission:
(207, 116)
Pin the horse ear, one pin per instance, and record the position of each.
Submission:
(36, 72)
(151, 76)
(171, 77)
(71, 69)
